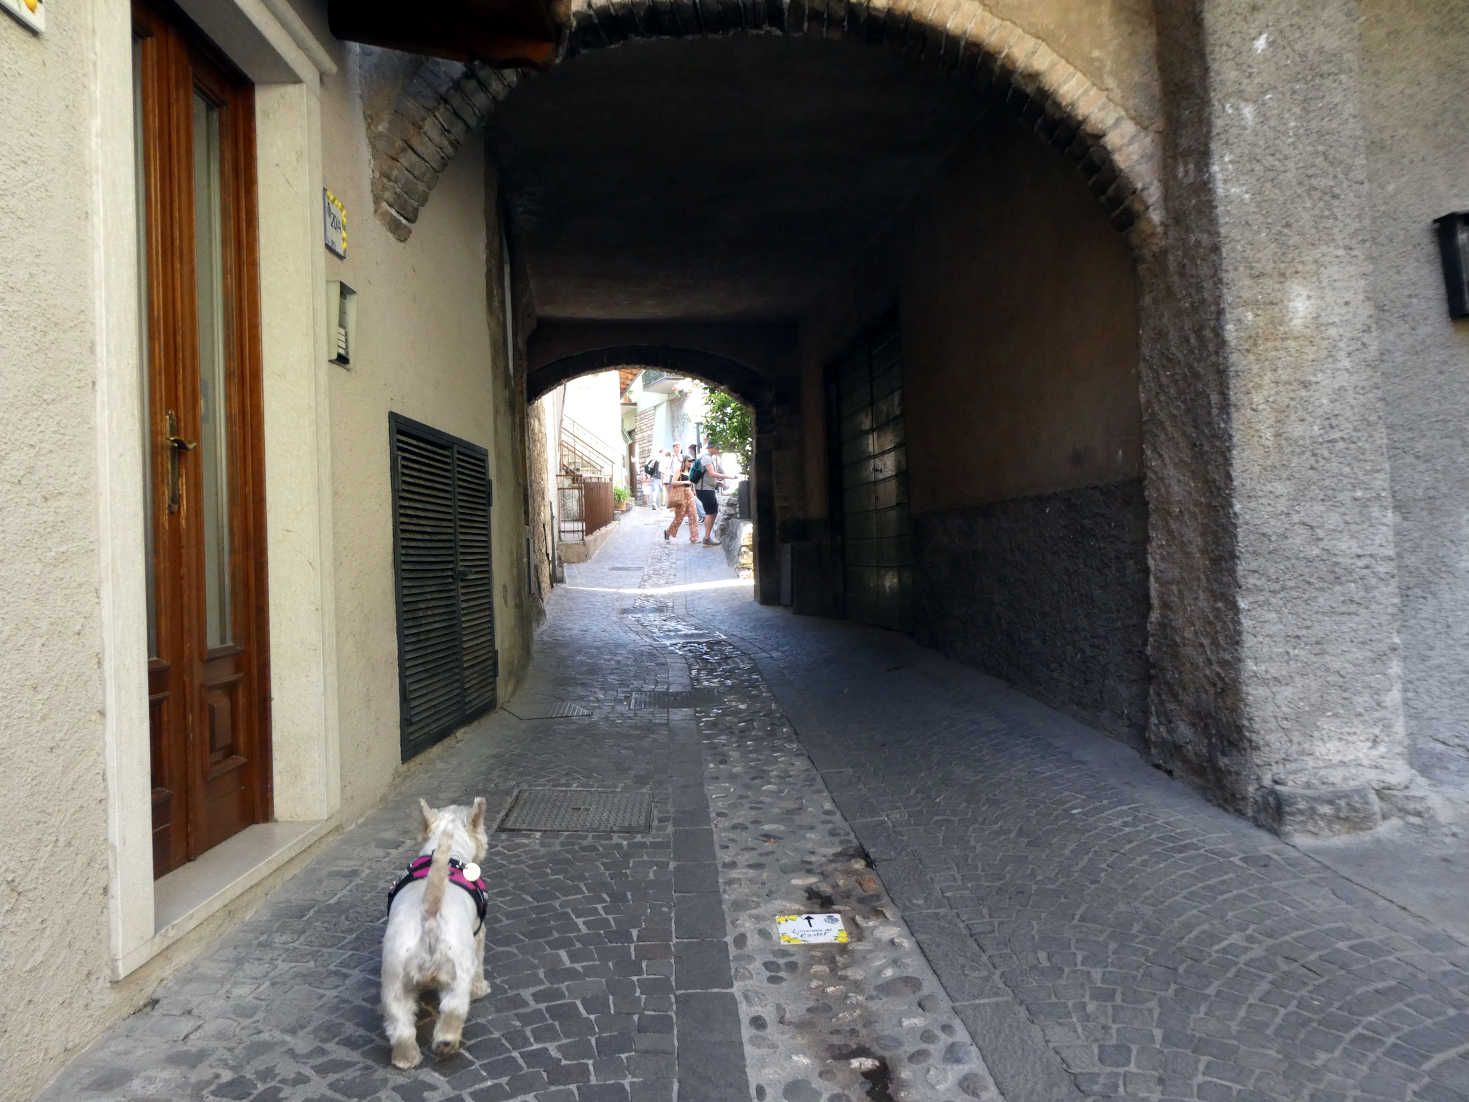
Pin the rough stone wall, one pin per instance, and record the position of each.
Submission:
(540, 491)
(1317, 562)
(1049, 593)
(1275, 609)
(1193, 626)
(518, 606)
(1415, 58)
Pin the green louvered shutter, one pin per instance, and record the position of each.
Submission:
(447, 662)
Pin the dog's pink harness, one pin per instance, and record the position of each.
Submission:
(418, 870)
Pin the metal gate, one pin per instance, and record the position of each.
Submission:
(872, 448)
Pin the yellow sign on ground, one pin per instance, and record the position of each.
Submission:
(824, 929)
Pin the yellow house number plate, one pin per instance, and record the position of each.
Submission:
(30, 12)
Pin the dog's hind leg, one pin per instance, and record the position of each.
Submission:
(480, 987)
(400, 1011)
(453, 1009)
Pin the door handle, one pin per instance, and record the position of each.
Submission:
(176, 445)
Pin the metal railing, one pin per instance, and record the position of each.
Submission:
(583, 453)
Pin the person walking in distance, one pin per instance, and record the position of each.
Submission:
(654, 470)
(707, 489)
(697, 470)
(671, 464)
(681, 500)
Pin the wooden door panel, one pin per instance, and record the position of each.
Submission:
(200, 273)
(165, 766)
(227, 805)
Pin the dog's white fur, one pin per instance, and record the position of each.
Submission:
(430, 940)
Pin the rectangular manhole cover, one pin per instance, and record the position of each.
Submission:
(579, 809)
(677, 698)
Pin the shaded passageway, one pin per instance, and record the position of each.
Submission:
(1071, 366)
(1030, 918)
(931, 311)
(995, 238)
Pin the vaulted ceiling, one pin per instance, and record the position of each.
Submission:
(719, 178)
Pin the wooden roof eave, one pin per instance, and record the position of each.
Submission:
(495, 32)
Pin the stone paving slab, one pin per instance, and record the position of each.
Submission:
(580, 952)
(833, 1023)
(1039, 915)
(623, 966)
(1153, 946)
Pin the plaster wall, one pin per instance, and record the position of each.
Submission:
(51, 675)
(592, 402)
(1415, 67)
(1113, 42)
(75, 724)
(430, 348)
(1019, 320)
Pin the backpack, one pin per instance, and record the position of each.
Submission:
(650, 468)
(696, 472)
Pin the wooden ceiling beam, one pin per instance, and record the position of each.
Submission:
(495, 32)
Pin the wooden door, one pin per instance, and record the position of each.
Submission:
(200, 340)
(865, 423)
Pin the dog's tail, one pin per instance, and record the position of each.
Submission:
(438, 880)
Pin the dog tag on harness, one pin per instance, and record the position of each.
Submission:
(811, 929)
(471, 872)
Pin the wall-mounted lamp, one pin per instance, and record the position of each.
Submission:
(1453, 249)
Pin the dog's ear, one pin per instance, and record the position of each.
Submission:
(477, 815)
(428, 815)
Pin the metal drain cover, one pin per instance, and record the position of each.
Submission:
(579, 809)
(541, 709)
(664, 698)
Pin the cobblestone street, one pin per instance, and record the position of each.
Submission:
(1035, 915)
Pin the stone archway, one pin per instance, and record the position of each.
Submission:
(741, 380)
(441, 103)
(773, 415)
(1236, 705)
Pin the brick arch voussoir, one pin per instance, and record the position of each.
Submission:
(440, 105)
(1117, 159)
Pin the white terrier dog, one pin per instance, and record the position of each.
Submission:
(435, 937)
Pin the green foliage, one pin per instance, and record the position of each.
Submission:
(731, 425)
(619, 495)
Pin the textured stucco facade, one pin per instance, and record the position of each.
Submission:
(50, 555)
(431, 344)
(430, 348)
(1417, 168)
